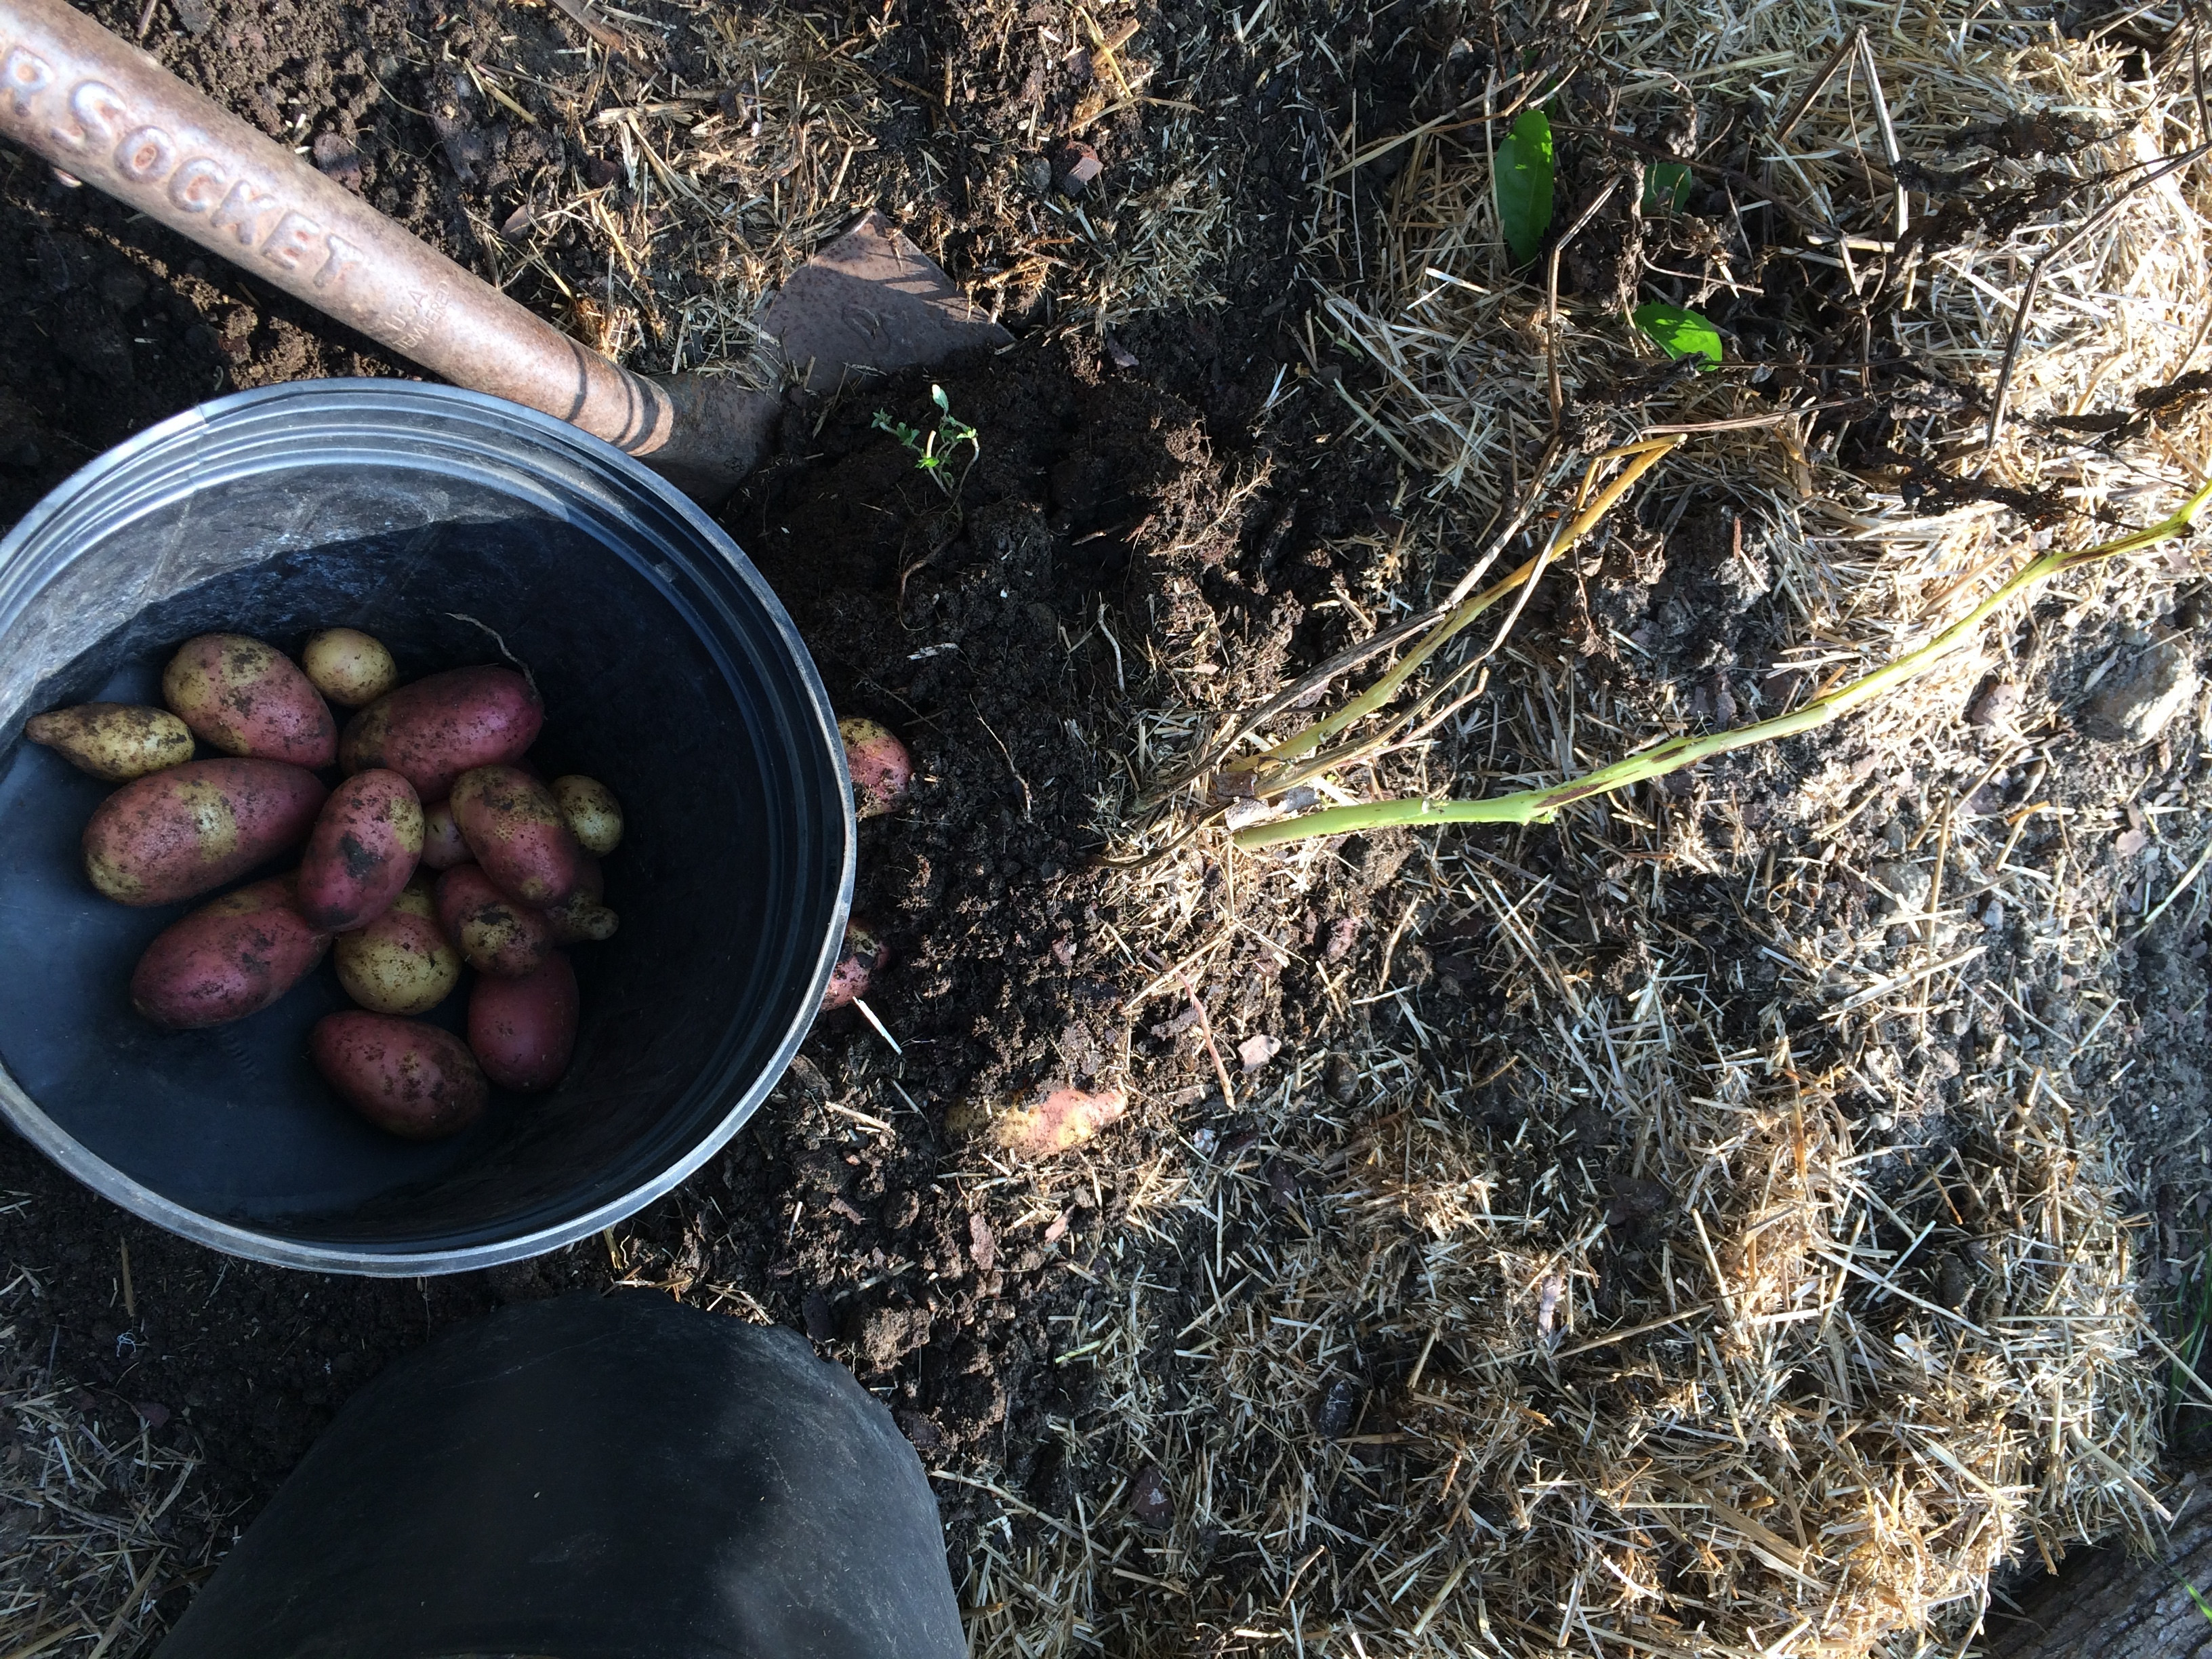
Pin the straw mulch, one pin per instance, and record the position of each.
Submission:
(1626, 1337)
(100, 1518)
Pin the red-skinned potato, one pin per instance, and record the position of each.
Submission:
(249, 699)
(882, 769)
(494, 934)
(863, 958)
(523, 1030)
(442, 726)
(347, 667)
(176, 834)
(403, 1076)
(443, 845)
(581, 917)
(402, 962)
(517, 833)
(365, 847)
(116, 741)
(227, 959)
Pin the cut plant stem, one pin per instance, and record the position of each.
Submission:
(1536, 805)
(1641, 458)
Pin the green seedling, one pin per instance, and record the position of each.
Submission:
(2190, 1353)
(1539, 805)
(1680, 333)
(934, 451)
(1666, 188)
(1523, 183)
(2203, 1606)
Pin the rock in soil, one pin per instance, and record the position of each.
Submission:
(2138, 700)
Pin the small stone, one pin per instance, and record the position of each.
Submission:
(1150, 1505)
(1993, 918)
(337, 159)
(1075, 169)
(1340, 1407)
(1257, 1051)
(1996, 708)
(900, 1210)
(1340, 1079)
(981, 1244)
(1036, 174)
(2137, 702)
(1906, 884)
(197, 16)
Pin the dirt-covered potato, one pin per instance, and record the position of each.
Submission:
(522, 1031)
(402, 962)
(857, 963)
(494, 934)
(442, 726)
(366, 844)
(515, 828)
(411, 1078)
(593, 815)
(347, 667)
(179, 833)
(117, 741)
(583, 916)
(227, 959)
(443, 845)
(881, 768)
(249, 699)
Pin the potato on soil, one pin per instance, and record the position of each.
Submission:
(227, 959)
(438, 727)
(493, 933)
(179, 833)
(1043, 1123)
(863, 958)
(593, 815)
(364, 850)
(347, 667)
(514, 827)
(117, 741)
(581, 917)
(249, 699)
(522, 1031)
(882, 769)
(402, 962)
(400, 1074)
(443, 845)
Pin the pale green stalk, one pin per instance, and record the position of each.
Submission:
(1536, 806)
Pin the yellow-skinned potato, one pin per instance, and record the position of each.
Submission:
(117, 741)
(349, 667)
(402, 962)
(595, 817)
(250, 699)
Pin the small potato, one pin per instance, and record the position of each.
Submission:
(862, 959)
(250, 699)
(437, 728)
(523, 1030)
(494, 934)
(443, 845)
(117, 741)
(400, 1074)
(347, 667)
(881, 768)
(514, 827)
(179, 833)
(365, 847)
(227, 959)
(594, 816)
(402, 962)
(581, 917)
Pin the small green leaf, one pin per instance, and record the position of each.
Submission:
(1666, 188)
(1523, 185)
(1680, 333)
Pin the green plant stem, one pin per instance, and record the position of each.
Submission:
(1536, 806)
(1641, 459)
